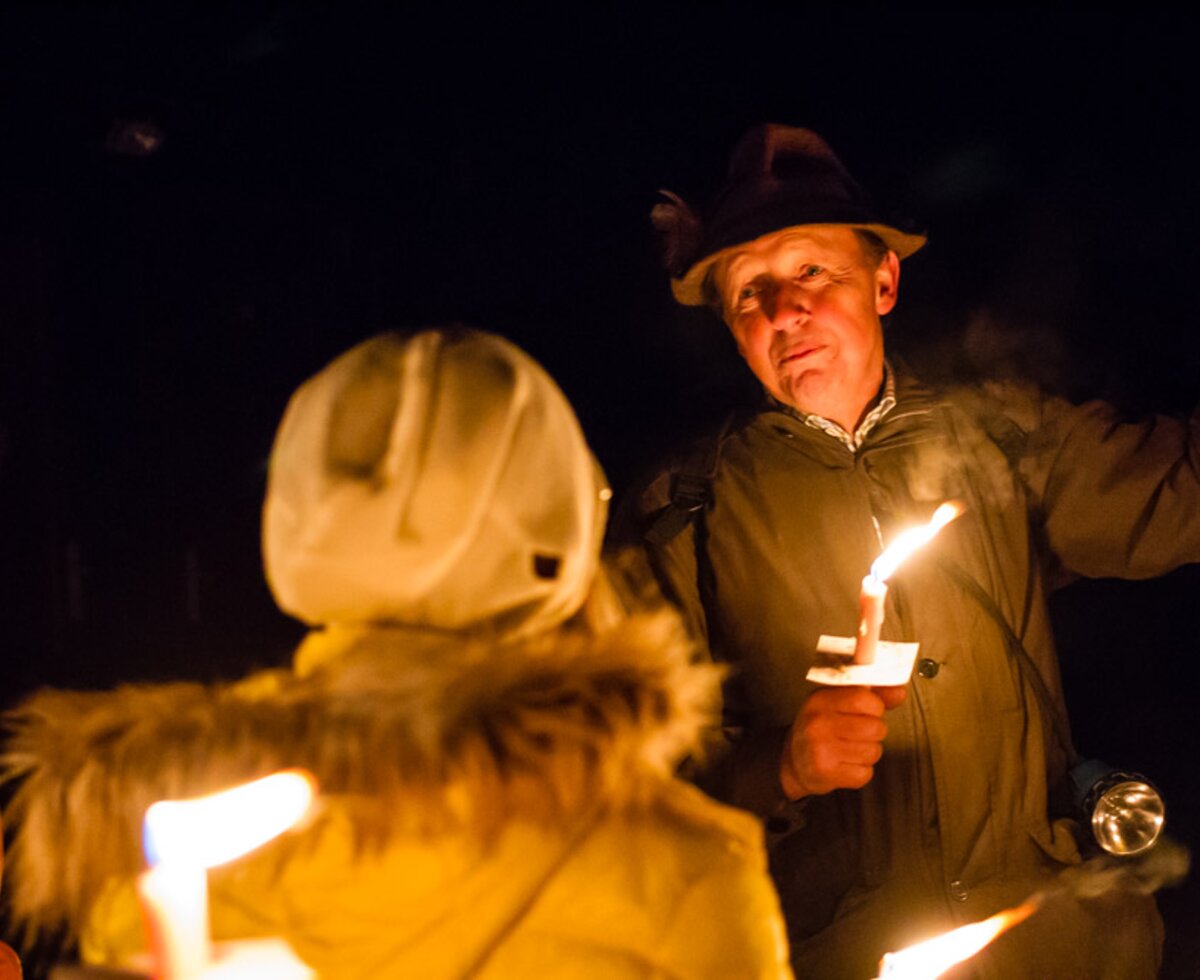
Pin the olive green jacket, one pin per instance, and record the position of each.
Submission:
(957, 822)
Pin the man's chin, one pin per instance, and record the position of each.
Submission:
(807, 396)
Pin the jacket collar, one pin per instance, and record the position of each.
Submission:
(851, 440)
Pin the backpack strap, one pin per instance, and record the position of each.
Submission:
(691, 486)
(690, 496)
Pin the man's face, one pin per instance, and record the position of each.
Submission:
(804, 305)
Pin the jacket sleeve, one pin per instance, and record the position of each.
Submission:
(1113, 498)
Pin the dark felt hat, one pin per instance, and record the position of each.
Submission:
(779, 177)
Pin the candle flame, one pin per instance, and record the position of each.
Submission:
(906, 542)
(932, 958)
(210, 830)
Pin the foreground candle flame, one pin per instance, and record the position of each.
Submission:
(211, 830)
(183, 839)
(932, 958)
(906, 542)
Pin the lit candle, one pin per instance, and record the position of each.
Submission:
(174, 897)
(870, 604)
(184, 838)
(932, 958)
(874, 586)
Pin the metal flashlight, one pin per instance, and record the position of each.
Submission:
(1125, 810)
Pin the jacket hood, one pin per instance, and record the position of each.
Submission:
(422, 734)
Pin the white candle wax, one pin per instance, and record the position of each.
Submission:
(174, 897)
(870, 602)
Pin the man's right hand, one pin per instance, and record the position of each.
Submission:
(836, 739)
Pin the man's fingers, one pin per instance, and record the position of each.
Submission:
(837, 739)
(846, 728)
(843, 775)
(891, 696)
(853, 700)
(836, 755)
(854, 777)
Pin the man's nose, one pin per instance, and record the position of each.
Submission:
(783, 303)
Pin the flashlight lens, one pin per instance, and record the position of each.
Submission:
(1128, 817)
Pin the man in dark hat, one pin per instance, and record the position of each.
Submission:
(896, 813)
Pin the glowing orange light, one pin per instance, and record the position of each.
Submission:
(907, 542)
(184, 838)
(211, 830)
(932, 958)
(874, 586)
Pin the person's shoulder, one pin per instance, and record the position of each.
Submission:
(694, 457)
(1023, 401)
(1003, 408)
(1010, 396)
(686, 813)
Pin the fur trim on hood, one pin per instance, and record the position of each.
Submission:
(418, 733)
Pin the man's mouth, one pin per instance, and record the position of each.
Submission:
(798, 353)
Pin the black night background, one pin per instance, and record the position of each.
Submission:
(197, 210)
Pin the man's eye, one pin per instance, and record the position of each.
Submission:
(746, 298)
(811, 271)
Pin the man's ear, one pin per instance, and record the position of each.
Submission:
(887, 284)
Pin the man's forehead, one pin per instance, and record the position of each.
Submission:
(822, 239)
